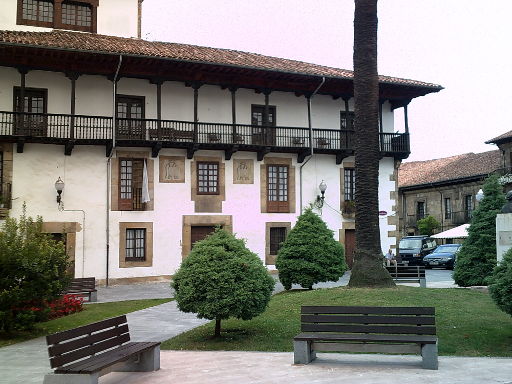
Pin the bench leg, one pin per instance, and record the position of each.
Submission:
(423, 283)
(70, 378)
(429, 356)
(302, 353)
(145, 362)
(93, 296)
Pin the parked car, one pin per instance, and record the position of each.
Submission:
(443, 256)
(412, 249)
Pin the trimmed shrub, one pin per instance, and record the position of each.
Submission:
(32, 272)
(428, 225)
(500, 281)
(477, 257)
(310, 254)
(222, 278)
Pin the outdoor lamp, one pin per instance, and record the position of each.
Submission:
(319, 203)
(59, 186)
(479, 195)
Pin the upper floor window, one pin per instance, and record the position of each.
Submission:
(130, 184)
(468, 206)
(77, 15)
(207, 178)
(277, 188)
(349, 183)
(347, 120)
(420, 210)
(447, 208)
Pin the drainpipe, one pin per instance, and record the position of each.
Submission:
(310, 140)
(114, 122)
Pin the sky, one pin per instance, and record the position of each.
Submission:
(463, 45)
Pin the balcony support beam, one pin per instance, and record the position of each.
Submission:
(68, 147)
(301, 156)
(158, 83)
(155, 148)
(262, 152)
(406, 119)
(196, 87)
(228, 153)
(233, 113)
(20, 144)
(73, 77)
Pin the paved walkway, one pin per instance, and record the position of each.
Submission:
(27, 362)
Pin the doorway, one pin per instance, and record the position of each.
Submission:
(350, 246)
(200, 232)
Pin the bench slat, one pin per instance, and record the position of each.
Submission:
(423, 339)
(404, 329)
(103, 360)
(360, 347)
(59, 361)
(61, 348)
(84, 330)
(318, 309)
(363, 319)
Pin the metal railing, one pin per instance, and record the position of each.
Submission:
(91, 128)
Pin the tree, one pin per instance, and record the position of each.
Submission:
(428, 225)
(222, 278)
(500, 286)
(310, 254)
(477, 256)
(367, 270)
(32, 271)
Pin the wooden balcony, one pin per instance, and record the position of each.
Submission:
(70, 130)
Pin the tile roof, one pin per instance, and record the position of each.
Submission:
(129, 46)
(448, 168)
(505, 136)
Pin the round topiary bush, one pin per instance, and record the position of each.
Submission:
(222, 278)
(500, 286)
(310, 254)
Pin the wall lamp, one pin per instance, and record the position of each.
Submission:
(59, 186)
(479, 195)
(319, 202)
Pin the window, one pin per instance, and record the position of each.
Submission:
(277, 188)
(207, 178)
(130, 184)
(35, 101)
(135, 244)
(420, 210)
(277, 236)
(77, 15)
(130, 112)
(468, 207)
(447, 208)
(257, 112)
(350, 185)
(347, 120)
(263, 134)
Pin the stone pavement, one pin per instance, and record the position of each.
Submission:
(186, 367)
(28, 361)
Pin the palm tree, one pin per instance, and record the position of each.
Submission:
(367, 270)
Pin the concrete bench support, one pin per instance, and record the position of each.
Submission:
(302, 353)
(429, 356)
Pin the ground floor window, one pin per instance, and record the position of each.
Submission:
(277, 237)
(135, 244)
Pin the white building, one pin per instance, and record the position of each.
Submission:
(224, 137)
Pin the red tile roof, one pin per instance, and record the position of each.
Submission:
(448, 168)
(503, 137)
(128, 46)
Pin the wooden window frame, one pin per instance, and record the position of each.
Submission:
(277, 206)
(57, 16)
(148, 245)
(135, 248)
(424, 213)
(349, 184)
(271, 111)
(468, 208)
(17, 90)
(208, 181)
(126, 204)
(343, 118)
(448, 208)
(273, 247)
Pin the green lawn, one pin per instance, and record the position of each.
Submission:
(90, 314)
(468, 322)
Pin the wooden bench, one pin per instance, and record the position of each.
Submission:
(83, 287)
(408, 274)
(367, 329)
(83, 354)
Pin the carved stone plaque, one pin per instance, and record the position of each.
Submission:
(172, 169)
(243, 171)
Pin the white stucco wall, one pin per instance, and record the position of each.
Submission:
(85, 171)
(115, 17)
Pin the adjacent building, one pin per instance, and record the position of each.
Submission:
(153, 144)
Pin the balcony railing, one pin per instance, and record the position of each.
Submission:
(89, 129)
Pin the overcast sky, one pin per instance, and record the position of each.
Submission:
(463, 45)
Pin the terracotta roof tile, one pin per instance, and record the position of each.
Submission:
(505, 136)
(129, 46)
(448, 168)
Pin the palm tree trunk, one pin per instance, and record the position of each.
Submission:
(367, 270)
(217, 327)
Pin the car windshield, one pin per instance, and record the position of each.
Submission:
(447, 248)
(410, 243)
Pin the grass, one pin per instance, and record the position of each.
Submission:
(90, 314)
(468, 322)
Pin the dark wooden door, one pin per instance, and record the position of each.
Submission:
(261, 134)
(130, 114)
(350, 246)
(200, 232)
(35, 105)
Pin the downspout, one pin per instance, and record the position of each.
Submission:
(114, 122)
(310, 126)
